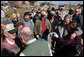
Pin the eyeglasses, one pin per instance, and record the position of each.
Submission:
(12, 31)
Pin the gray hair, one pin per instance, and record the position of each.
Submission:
(25, 34)
(67, 17)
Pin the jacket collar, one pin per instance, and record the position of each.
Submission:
(31, 41)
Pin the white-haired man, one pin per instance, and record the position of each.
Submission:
(34, 47)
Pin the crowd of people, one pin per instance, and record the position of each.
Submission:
(47, 32)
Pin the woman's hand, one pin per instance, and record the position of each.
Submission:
(73, 35)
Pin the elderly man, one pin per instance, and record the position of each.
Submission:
(9, 42)
(34, 47)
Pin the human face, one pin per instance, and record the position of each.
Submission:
(39, 15)
(26, 18)
(67, 21)
(12, 36)
(23, 41)
(2, 24)
(73, 35)
(76, 12)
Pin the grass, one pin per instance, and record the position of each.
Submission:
(23, 10)
(20, 11)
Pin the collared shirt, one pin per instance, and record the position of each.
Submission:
(31, 41)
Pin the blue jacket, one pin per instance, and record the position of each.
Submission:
(29, 23)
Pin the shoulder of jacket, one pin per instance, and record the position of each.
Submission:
(38, 20)
(47, 21)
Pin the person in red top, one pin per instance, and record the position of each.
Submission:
(42, 26)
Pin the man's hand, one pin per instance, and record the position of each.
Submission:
(37, 36)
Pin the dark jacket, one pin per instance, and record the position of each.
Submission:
(68, 47)
(59, 29)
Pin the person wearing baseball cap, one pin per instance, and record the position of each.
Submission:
(9, 42)
(27, 21)
(9, 28)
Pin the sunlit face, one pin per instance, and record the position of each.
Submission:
(2, 24)
(39, 15)
(26, 18)
(76, 12)
(67, 21)
(12, 36)
(23, 41)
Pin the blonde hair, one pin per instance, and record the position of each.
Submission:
(73, 25)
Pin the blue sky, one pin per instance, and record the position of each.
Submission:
(57, 2)
(62, 2)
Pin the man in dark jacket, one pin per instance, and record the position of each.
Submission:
(77, 17)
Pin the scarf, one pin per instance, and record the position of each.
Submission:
(44, 27)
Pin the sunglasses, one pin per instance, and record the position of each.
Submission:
(12, 31)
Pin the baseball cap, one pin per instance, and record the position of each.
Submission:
(9, 28)
(12, 31)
